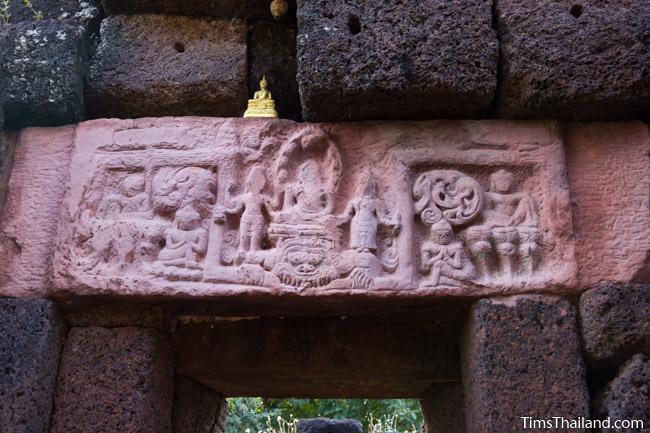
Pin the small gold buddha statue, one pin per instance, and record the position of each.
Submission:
(262, 104)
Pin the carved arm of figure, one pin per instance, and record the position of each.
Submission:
(525, 212)
(200, 241)
(456, 259)
(391, 221)
(219, 213)
(329, 206)
(170, 242)
(431, 254)
(348, 213)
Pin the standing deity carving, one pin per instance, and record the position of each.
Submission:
(251, 204)
(365, 213)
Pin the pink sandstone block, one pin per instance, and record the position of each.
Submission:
(609, 178)
(29, 220)
(229, 208)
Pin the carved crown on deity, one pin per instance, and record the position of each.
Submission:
(262, 104)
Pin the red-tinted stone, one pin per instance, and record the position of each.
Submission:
(156, 65)
(7, 147)
(31, 336)
(615, 321)
(197, 408)
(521, 358)
(609, 181)
(105, 249)
(574, 60)
(379, 60)
(31, 214)
(116, 380)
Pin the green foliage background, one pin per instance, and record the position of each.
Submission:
(253, 413)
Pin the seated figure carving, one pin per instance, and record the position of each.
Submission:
(186, 241)
(309, 199)
(444, 259)
(504, 206)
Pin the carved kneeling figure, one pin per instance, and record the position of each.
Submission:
(444, 258)
(185, 242)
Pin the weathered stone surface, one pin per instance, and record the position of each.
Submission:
(43, 62)
(574, 60)
(155, 65)
(273, 54)
(609, 179)
(327, 425)
(521, 358)
(210, 8)
(615, 323)
(32, 335)
(375, 60)
(442, 408)
(197, 408)
(114, 381)
(7, 148)
(364, 357)
(82, 11)
(31, 214)
(169, 207)
(114, 313)
(626, 397)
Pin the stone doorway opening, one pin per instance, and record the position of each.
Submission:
(339, 358)
(256, 414)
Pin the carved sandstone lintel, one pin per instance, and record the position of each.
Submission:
(241, 205)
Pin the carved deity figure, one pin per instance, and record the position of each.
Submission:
(309, 199)
(131, 197)
(504, 206)
(185, 242)
(444, 259)
(366, 212)
(251, 205)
